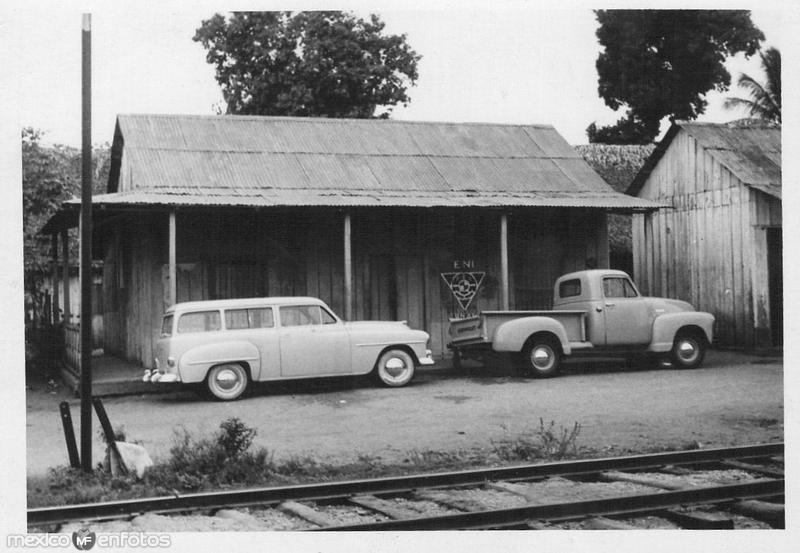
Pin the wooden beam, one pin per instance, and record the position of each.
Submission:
(173, 266)
(348, 269)
(65, 272)
(504, 262)
(54, 278)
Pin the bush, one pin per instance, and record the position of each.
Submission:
(226, 459)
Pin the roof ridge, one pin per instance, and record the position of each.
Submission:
(328, 120)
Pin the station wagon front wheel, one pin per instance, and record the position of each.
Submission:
(395, 368)
(227, 382)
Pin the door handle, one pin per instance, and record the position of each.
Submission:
(610, 304)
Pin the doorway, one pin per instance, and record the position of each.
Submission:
(775, 268)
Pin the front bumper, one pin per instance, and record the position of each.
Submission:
(156, 376)
(428, 359)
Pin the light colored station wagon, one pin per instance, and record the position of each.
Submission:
(227, 344)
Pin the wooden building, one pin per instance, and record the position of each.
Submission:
(719, 244)
(375, 217)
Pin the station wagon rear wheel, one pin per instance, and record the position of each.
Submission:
(541, 357)
(227, 382)
(395, 368)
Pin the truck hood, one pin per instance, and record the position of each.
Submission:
(669, 305)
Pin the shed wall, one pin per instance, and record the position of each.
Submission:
(399, 256)
(706, 249)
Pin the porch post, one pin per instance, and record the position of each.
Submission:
(54, 278)
(173, 268)
(65, 273)
(348, 270)
(504, 262)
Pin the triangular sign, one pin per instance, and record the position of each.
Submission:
(464, 286)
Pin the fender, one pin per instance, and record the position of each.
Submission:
(194, 363)
(667, 325)
(511, 336)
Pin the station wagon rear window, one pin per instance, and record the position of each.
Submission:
(166, 326)
(238, 319)
(570, 288)
(201, 321)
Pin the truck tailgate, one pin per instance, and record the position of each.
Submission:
(467, 331)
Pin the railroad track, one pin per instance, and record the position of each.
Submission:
(706, 488)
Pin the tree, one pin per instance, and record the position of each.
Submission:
(661, 63)
(50, 175)
(329, 64)
(765, 99)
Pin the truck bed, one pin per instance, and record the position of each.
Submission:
(481, 328)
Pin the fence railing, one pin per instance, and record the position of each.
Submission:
(72, 346)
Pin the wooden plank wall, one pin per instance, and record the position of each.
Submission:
(707, 248)
(398, 257)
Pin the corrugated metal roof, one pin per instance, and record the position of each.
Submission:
(752, 154)
(265, 161)
(304, 197)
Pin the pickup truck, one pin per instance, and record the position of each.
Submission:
(595, 313)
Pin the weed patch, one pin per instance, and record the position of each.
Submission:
(547, 443)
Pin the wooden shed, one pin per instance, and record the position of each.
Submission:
(380, 219)
(719, 244)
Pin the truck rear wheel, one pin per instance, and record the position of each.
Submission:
(541, 357)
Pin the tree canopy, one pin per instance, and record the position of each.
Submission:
(764, 100)
(329, 64)
(50, 175)
(661, 63)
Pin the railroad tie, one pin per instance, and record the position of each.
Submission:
(306, 513)
(773, 514)
(614, 476)
(443, 498)
(603, 523)
(388, 508)
(699, 520)
(758, 469)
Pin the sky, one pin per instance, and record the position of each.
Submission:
(506, 62)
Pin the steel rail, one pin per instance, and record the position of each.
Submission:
(400, 484)
(622, 505)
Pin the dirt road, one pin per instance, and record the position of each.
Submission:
(733, 399)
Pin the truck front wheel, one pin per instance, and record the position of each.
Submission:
(688, 351)
(541, 357)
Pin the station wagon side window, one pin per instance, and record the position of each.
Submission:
(301, 315)
(166, 326)
(201, 321)
(570, 288)
(618, 287)
(237, 319)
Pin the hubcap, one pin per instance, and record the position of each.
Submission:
(687, 350)
(542, 357)
(395, 367)
(227, 379)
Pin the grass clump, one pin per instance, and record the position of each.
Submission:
(547, 442)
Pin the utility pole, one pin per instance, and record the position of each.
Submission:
(86, 244)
